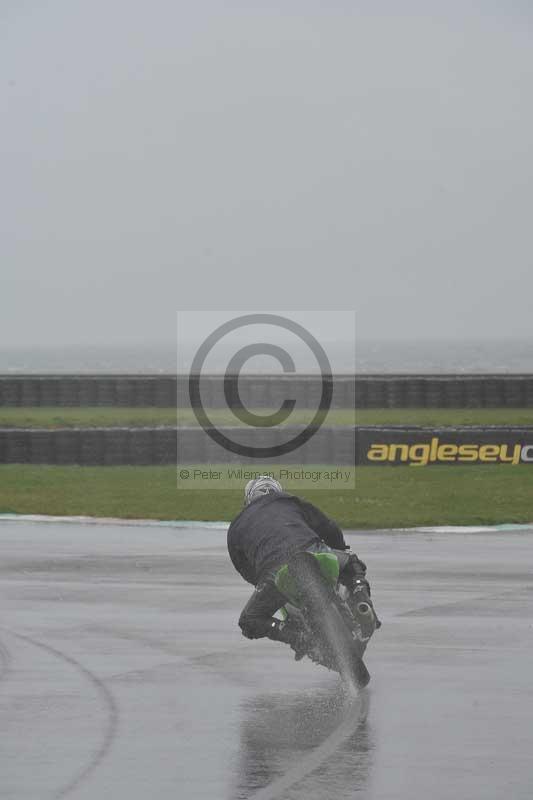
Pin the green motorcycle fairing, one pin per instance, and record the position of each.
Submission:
(329, 567)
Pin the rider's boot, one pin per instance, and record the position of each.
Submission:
(287, 632)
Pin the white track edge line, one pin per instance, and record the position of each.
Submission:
(221, 525)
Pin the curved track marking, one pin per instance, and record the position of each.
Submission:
(354, 713)
(108, 701)
(5, 661)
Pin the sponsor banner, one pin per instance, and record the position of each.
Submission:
(423, 447)
(338, 447)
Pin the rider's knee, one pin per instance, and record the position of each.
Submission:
(253, 627)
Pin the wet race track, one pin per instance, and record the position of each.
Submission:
(123, 674)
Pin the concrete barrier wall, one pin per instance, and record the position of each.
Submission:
(338, 446)
(269, 391)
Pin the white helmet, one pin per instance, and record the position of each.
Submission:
(260, 486)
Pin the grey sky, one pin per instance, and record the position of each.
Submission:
(163, 155)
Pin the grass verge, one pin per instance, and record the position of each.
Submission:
(57, 417)
(384, 496)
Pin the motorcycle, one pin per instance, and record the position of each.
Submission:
(334, 617)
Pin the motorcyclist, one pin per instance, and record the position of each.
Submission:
(271, 528)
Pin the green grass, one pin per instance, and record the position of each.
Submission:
(384, 496)
(56, 417)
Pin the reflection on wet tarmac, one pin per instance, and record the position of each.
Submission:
(137, 682)
(311, 743)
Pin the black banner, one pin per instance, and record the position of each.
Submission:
(423, 447)
(365, 446)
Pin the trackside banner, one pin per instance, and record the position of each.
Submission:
(423, 447)
(337, 445)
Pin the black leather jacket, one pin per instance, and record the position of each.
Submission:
(267, 532)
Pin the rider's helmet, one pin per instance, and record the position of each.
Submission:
(260, 486)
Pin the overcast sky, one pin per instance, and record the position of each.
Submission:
(344, 155)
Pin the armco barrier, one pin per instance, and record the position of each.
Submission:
(269, 391)
(393, 446)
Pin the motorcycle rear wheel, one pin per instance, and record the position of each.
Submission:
(343, 651)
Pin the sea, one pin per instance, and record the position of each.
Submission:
(366, 357)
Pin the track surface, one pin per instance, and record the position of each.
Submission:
(123, 674)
